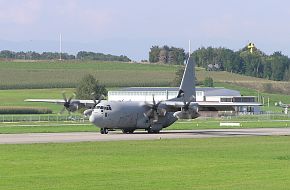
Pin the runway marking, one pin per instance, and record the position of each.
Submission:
(117, 136)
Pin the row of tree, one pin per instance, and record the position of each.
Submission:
(31, 55)
(252, 63)
(256, 63)
(166, 55)
(101, 57)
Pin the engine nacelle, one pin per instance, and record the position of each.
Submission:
(73, 107)
(88, 112)
(186, 114)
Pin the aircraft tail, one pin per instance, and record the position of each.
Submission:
(187, 86)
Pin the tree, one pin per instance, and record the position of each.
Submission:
(178, 76)
(208, 82)
(163, 56)
(84, 55)
(153, 54)
(166, 55)
(88, 86)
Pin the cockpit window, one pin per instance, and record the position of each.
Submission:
(108, 107)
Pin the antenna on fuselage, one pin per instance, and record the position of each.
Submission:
(189, 50)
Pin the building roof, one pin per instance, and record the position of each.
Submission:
(208, 91)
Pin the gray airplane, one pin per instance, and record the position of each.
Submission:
(151, 116)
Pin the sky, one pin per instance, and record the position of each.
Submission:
(131, 27)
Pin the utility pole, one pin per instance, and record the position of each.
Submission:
(60, 46)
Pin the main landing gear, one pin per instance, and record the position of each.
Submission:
(128, 131)
(104, 131)
(151, 131)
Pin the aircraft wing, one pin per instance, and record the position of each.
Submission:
(223, 106)
(177, 104)
(56, 101)
(212, 106)
(84, 103)
(229, 104)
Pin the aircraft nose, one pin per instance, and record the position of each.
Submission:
(96, 119)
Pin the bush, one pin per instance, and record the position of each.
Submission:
(208, 82)
(24, 110)
(88, 86)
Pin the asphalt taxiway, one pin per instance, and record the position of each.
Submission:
(117, 136)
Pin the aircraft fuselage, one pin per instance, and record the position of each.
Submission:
(127, 115)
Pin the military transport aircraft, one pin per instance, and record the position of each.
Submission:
(151, 116)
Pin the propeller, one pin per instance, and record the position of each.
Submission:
(88, 112)
(186, 110)
(95, 101)
(67, 103)
(154, 110)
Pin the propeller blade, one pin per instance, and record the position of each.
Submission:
(189, 116)
(72, 96)
(100, 98)
(190, 100)
(155, 116)
(149, 113)
(62, 110)
(95, 100)
(154, 103)
(64, 96)
(162, 111)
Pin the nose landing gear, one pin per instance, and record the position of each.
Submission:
(104, 131)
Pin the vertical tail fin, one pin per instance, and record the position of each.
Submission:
(187, 86)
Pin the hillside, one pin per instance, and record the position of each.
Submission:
(61, 74)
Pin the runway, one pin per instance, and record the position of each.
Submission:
(29, 138)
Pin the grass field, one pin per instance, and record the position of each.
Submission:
(215, 163)
(17, 97)
(68, 73)
(58, 127)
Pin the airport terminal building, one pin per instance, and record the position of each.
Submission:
(204, 95)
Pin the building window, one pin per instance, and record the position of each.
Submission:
(226, 99)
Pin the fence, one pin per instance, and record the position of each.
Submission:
(249, 117)
(80, 119)
(39, 118)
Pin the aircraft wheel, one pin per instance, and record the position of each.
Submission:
(128, 131)
(151, 131)
(104, 131)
